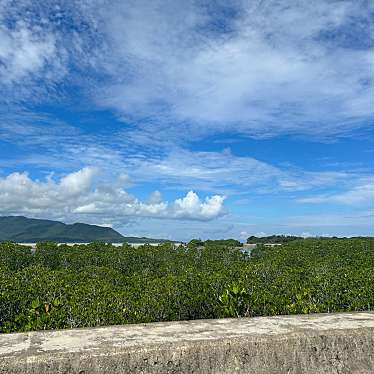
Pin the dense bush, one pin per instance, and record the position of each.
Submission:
(273, 239)
(98, 284)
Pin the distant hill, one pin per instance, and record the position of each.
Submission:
(29, 230)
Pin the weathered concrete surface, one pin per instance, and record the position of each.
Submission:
(324, 343)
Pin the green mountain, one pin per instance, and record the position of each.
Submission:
(29, 230)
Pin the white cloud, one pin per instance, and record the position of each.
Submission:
(281, 68)
(192, 207)
(53, 145)
(79, 195)
(78, 182)
(362, 194)
(207, 170)
(188, 68)
(227, 173)
(23, 53)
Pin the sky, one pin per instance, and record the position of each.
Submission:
(189, 119)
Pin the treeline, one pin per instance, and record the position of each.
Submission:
(227, 243)
(98, 284)
(273, 239)
(281, 239)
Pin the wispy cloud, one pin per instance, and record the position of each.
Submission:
(261, 68)
(229, 173)
(271, 74)
(23, 53)
(64, 148)
(361, 194)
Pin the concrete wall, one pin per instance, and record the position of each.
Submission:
(324, 343)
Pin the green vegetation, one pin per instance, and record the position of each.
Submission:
(227, 243)
(272, 239)
(28, 230)
(99, 284)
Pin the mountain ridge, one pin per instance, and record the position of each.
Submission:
(22, 229)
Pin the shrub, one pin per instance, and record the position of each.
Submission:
(99, 284)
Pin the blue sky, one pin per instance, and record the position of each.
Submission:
(183, 119)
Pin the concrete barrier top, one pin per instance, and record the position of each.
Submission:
(218, 346)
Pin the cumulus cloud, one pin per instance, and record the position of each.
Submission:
(80, 195)
(78, 182)
(191, 207)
